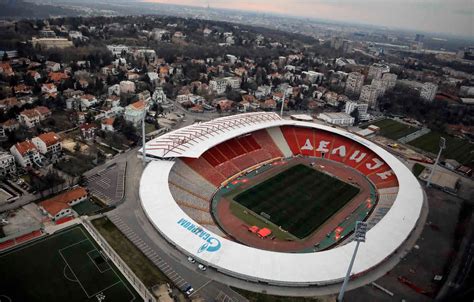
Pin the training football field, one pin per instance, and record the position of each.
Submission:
(66, 266)
(299, 199)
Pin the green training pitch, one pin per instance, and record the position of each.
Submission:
(66, 266)
(299, 199)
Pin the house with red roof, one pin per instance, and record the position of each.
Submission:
(88, 131)
(25, 153)
(32, 117)
(49, 88)
(135, 112)
(108, 124)
(60, 205)
(48, 143)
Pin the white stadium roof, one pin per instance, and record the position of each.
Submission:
(291, 269)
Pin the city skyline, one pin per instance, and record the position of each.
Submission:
(453, 17)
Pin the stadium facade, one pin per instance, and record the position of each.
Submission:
(174, 202)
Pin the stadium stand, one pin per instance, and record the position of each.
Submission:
(279, 140)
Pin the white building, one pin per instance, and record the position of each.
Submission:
(60, 205)
(118, 49)
(135, 112)
(354, 83)
(361, 107)
(232, 59)
(25, 153)
(313, 76)
(428, 91)
(48, 144)
(114, 89)
(127, 87)
(159, 96)
(337, 118)
(369, 95)
(7, 164)
(220, 85)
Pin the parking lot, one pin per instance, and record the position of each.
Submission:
(108, 184)
(413, 279)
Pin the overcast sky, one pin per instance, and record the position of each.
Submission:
(446, 16)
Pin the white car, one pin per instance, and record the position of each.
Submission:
(191, 259)
(189, 290)
(202, 267)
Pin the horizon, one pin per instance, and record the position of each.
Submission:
(420, 15)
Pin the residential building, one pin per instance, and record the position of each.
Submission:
(49, 88)
(7, 164)
(32, 117)
(48, 43)
(369, 95)
(428, 91)
(354, 83)
(10, 125)
(375, 72)
(337, 118)
(48, 144)
(135, 112)
(117, 50)
(390, 80)
(127, 87)
(60, 205)
(313, 76)
(26, 154)
(88, 131)
(114, 89)
(361, 108)
(88, 100)
(108, 124)
(380, 85)
(219, 86)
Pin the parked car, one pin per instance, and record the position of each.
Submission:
(202, 267)
(191, 259)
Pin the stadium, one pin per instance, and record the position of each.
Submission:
(274, 202)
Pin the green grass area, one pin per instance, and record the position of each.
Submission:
(299, 199)
(259, 297)
(417, 169)
(143, 268)
(456, 148)
(149, 128)
(66, 266)
(76, 164)
(87, 207)
(393, 129)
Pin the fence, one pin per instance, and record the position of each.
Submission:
(123, 267)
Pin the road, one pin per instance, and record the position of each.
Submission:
(131, 219)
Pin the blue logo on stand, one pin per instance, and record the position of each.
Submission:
(210, 244)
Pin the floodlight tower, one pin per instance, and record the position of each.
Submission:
(282, 104)
(442, 146)
(359, 236)
(143, 139)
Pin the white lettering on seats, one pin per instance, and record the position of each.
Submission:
(323, 146)
(307, 145)
(378, 164)
(341, 150)
(357, 159)
(384, 175)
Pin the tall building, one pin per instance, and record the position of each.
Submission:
(390, 80)
(354, 83)
(381, 86)
(428, 91)
(369, 95)
(375, 72)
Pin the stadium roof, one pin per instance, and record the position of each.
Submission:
(195, 139)
(292, 269)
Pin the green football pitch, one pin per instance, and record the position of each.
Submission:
(298, 200)
(66, 266)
